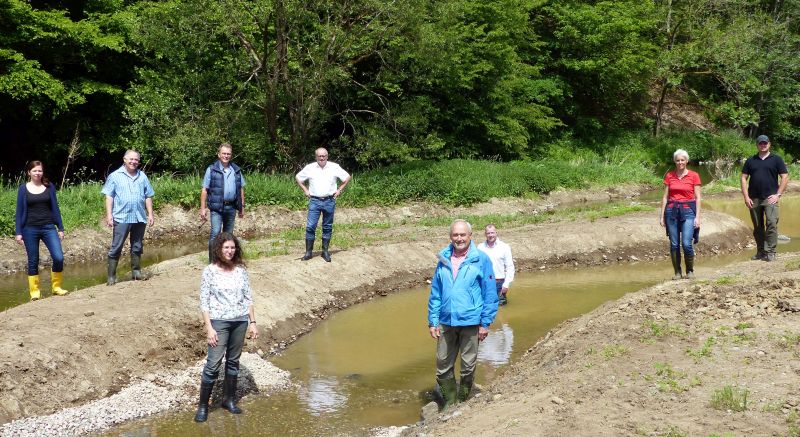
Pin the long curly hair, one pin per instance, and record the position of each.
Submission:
(238, 256)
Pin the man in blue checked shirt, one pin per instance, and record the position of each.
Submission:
(461, 306)
(128, 194)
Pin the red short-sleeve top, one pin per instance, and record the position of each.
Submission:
(681, 189)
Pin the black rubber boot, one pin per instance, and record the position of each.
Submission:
(448, 388)
(675, 255)
(309, 249)
(465, 388)
(229, 395)
(136, 267)
(112, 271)
(325, 254)
(689, 266)
(202, 404)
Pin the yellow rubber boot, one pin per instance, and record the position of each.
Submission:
(33, 287)
(55, 280)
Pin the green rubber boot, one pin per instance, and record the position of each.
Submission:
(448, 387)
(136, 267)
(689, 266)
(675, 255)
(465, 388)
(112, 271)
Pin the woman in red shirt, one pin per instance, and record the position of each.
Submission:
(680, 212)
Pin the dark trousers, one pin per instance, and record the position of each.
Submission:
(121, 232)
(765, 225)
(230, 340)
(31, 235)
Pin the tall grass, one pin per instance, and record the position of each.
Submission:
(455, 182)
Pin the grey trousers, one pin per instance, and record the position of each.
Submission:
(121, 231)
(765, 225)
(455, 340)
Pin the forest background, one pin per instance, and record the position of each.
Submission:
(393, 87)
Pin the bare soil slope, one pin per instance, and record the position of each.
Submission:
(653, 362)
(61, 352)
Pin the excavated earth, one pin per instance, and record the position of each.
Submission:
(65, 352)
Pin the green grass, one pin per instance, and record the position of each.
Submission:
(454, 183)
(654, 330)
(614, 351)
(725, 280)
(730, 398)
(704, 351)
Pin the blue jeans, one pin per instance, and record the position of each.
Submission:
(220, 222)
(230, 340)
(121, 231)
(681, 231)
(315, 208)
(31, 235)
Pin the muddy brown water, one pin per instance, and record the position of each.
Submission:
(14, 288)
(372, 365)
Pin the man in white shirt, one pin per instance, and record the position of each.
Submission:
(500, 254)
(322, 193)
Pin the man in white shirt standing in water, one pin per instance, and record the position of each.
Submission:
(322, 193)
(503, 264)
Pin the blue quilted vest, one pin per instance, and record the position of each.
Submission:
(216, 187)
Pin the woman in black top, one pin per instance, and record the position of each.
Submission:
(37, 218)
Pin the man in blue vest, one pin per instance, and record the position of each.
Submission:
(223, 194)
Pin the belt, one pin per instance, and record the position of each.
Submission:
(229, 203)
(322, 198)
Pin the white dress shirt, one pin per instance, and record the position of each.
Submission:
(322, 180)
(503, 264)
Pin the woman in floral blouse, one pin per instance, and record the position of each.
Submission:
(227, 305)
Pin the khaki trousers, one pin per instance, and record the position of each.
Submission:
(455, 340)
(765, 225)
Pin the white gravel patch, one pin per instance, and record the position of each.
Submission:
(389, 431)
(153, 394)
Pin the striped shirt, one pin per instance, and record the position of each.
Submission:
(129, 193)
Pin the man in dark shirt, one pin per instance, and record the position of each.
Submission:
(762, 195)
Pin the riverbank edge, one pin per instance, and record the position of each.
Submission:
(715, 356)
(304, 315)
(174, 223)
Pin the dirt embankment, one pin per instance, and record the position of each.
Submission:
(61, 352)
(174, 223)
(715, 356)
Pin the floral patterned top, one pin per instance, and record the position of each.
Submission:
(225, 295)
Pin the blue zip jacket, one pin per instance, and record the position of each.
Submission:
(468, 300)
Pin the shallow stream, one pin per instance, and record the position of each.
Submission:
(373, 365)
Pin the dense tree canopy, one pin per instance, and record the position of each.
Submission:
(380, 81)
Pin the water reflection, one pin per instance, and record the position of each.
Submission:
(14, 287)
(496, 349)
(322, 394)
(367, 365)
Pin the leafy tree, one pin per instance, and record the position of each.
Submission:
(62, 70)
(604, 54)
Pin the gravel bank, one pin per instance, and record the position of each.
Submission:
(153, 394)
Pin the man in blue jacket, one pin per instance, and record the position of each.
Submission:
(223, 194)
(462, 305)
